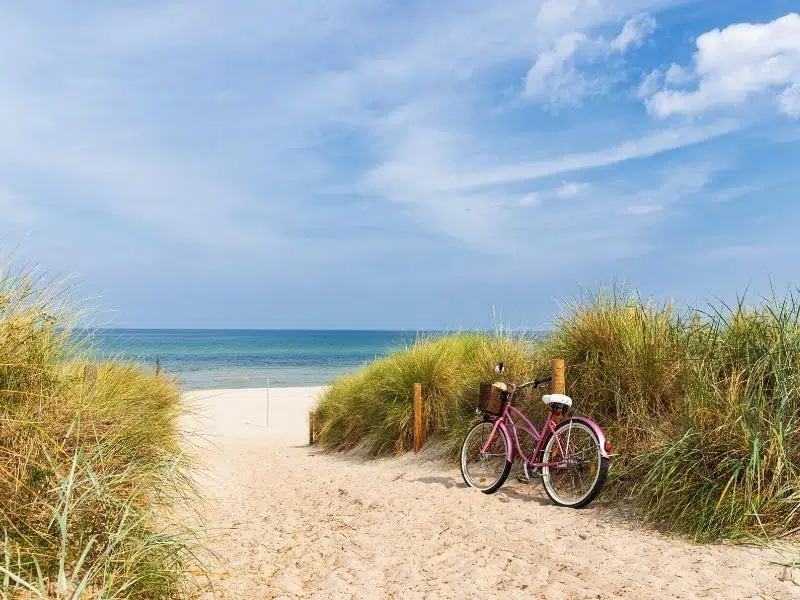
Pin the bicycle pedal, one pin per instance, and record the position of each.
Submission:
(523, 479)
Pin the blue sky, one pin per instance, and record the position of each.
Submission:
(372, 164)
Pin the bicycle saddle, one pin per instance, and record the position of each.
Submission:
(557, 399)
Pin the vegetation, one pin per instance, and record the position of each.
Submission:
(703, 407)
(371, 408)
(91, 463)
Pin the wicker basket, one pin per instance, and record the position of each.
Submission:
(491, 400)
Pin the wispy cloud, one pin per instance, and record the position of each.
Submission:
(647, 146)
(561, 75)
(273, 142)
(554, 78)
(633, 32)
(571, 189)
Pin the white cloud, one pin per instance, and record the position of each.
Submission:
(553, 13)
(567, 71)
(734, 65)
(242, 163)
(650, 84)
(436, 184)
(732, 193)
(651, 144)
(633, 32)
(789, 100)
(554, 77)
(571, 189)
(655, 80)
(678, 75)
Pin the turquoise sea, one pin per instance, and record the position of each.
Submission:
(205, 359)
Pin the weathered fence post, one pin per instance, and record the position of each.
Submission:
(311, 423)
(158, 365)
(419, 426)
(559, 383)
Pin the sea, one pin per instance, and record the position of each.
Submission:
(214, 358)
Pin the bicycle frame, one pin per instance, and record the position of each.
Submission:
(509, 426)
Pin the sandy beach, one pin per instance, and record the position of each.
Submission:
(287, 521)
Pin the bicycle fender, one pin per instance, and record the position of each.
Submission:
(510, 446)
(598, 432)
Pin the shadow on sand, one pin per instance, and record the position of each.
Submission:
(504, 494)
(608, 512)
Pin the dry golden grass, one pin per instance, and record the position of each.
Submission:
(90, 463)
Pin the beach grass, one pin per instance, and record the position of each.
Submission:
(702, 405)
(371, 407)
(91, 462)
(732, 466)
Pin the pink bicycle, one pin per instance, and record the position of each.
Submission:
(571, 455)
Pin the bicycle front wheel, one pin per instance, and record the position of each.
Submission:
(581, 468)
(485, 470)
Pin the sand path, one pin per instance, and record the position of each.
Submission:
(287, 521)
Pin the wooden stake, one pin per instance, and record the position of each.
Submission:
(559, 384)
(158, 365)
(419, 430)
(311, 423)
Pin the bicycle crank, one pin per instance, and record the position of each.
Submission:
(529, 474)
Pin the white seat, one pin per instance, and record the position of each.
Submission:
(557, 399)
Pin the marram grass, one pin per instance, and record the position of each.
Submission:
(91, 464)
(732, 468)
(703, 406)
(371, 408)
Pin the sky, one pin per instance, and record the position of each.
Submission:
(373, 164)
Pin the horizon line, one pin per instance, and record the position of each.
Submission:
(326, 329)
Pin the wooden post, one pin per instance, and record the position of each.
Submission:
(559, 384)
(311, 423)
(419, 429)
(158, 365)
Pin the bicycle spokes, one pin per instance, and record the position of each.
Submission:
(575, 460)
(484, 457)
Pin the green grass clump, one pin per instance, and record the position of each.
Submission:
(732, 469)
(628, 365)
(91, 463)
(372, 407)
(703, 407)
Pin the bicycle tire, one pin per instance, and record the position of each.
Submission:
(490, 489)
(600, 477)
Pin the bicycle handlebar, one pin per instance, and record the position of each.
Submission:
(534, 383)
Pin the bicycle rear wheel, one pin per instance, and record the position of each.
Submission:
(582, 468)
(485, 471)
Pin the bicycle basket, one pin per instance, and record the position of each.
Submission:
(491, 400)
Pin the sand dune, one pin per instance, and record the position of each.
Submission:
(287, 521)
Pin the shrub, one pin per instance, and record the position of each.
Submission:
(90, 462)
